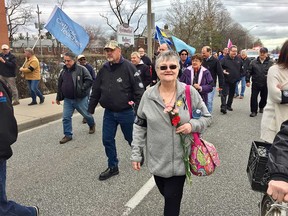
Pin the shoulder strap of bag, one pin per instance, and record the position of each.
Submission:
(189, 104)
(188, 99)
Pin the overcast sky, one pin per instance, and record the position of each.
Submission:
(264, 19)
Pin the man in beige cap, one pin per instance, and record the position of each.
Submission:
(8, 71)
(117, 84)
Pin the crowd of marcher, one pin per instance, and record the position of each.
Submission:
(136, 92)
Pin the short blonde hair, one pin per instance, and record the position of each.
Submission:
(29, 50)
(136, 54)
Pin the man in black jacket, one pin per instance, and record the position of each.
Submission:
(258, 70)
(8, 71)
(233, 69)
(118, 88)
(74, 84)
(214, 66)
(8, 135)
(278, 165)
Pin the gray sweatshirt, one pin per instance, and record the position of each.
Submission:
(163, 148)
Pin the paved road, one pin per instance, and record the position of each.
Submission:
(63, 179)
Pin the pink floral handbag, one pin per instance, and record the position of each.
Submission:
(204, 157)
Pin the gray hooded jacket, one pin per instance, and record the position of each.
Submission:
(163, 148)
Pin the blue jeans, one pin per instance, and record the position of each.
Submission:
(10, 208)
(210, 100)
(33, 89)
(81, 105)
(110, 122)
(243, 86)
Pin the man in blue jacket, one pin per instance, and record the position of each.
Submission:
(116, 85)
(8, 135)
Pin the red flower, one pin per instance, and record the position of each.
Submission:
(175, 120)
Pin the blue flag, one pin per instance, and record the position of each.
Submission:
(67, 31)
(162, 38)
(179, 45)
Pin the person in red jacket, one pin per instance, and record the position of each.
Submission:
(8, 135)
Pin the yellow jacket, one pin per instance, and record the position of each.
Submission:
(31, 69)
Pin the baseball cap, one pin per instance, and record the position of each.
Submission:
(263, 50)
(5, 46)
(112, 44)
(80, 56)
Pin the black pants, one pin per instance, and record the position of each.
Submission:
(172, 191)
(229, 89)
(256, 89)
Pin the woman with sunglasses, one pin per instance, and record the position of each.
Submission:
(153, 129)
(185, 61)
(199, 77)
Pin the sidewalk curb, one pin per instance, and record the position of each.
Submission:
(38, 122)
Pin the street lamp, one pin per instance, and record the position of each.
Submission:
(246, 37)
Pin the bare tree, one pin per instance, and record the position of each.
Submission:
(205, 22)
(124, 12)
(60, 3)
(97, 36)
(19, 14)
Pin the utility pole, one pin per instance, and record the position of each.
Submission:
(39, 28)
(149, 26)
(3, 24)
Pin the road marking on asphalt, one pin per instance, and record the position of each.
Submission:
(139, 196)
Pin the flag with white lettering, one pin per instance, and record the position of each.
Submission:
(67, 31)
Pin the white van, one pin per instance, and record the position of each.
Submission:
(252, 54)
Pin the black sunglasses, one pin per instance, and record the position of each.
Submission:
(165, 67)
(82, 59)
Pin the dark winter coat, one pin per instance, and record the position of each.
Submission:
(278, 155)
(8, 124)
(258, 71)
(116, 85)
(8, 69)
(214, 66)
(82, 81)
(234, 67)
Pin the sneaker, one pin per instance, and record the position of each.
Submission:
(32, 103)
(84, 121)
(15, 103)
(109, 172)
(236, 96)
(253, 114)
(241, 97)
(92, 129)
(36, 210)
(42, 100)
(230, 108)
(65, 139)
(261, 110)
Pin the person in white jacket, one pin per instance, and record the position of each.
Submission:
(153, 129)
(276, 109)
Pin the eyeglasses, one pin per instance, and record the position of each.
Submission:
(165, 67)
(4, 49)
(82, 59)
(184, 54)
(67, 60)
